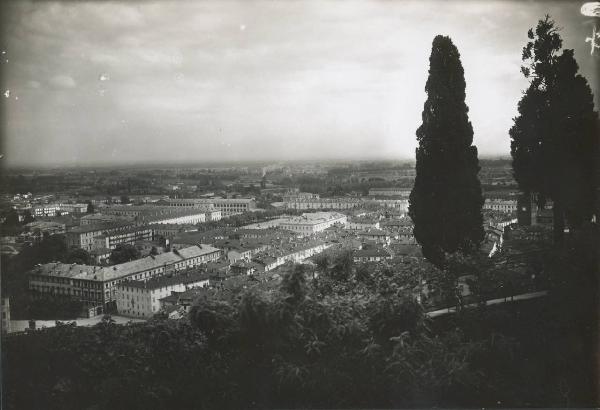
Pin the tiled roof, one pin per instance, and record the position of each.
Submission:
(98, 227)
(124, 269)
(163, 281)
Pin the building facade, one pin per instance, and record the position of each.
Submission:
(310, 223)
(142, 299)
(501, 205)
(322, 203)
(130, 236)
(95, 286)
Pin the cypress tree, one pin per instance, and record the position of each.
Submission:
(446, 200)
(554, 142)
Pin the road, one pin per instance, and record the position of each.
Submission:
(523, 296)
(21, 325)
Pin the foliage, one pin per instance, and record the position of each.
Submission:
(124, 253)
(11, 224)
(79, 256)
(446, 200)
(27, 217)
(554, 138)
(366, 343)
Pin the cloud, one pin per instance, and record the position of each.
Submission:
(280, 78)
(63, 81)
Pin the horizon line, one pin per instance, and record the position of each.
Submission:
(209, 162)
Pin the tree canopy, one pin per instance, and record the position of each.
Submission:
(124, 253)
(554, 142)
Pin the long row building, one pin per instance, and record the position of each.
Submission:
(344, 203)
(96, 286)
(227, 206)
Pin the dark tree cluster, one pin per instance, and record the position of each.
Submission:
(554, 139)
(124, 253)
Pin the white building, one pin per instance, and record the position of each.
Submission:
(362, 224)
(45, 210)
(142, 299)
(310, 223)
(508, 206)
(274, 257)
(322, 203)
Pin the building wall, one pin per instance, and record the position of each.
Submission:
(101, 293)
(308, 227)
(111, 240)
(321, 204)
(139, 302)
(502, 206)
(46, 210)
(361, 225)
(182, 220)
(83, 240)
(87, 291)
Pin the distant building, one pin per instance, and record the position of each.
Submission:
(310, 223)
(154, 214)
(404, 235)
(143, 299)
(73, 208)
(179, 301)
(95, 286)
(187, 203)
(45, 227)
(226, 206)
(323, 203)
(184, 217)
(371, 255)
(243, 267)
(362, 223)
(101, 256)
(375, 235)
(54, 209)
(398, 204)
(95, 219)
(240, 251)
(83, 236)
(233, 206)
(296, 253)
(501, 205)
(171, 230)
(130, 236)
(400, 192)
(291, 196)
(45, 210)
(213, 215)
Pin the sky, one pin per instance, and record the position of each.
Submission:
(189, 81)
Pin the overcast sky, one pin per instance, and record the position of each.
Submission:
(162, 81)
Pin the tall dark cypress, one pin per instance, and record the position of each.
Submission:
(446, 200)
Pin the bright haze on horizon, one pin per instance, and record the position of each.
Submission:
(167, 81)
